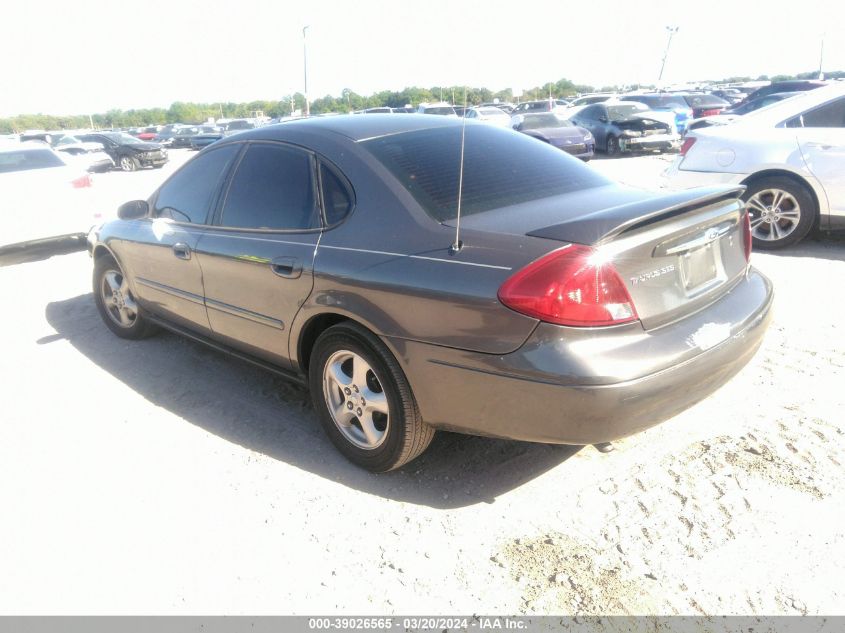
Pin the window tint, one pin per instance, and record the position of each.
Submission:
(500, 168)
(829, 115)
(27, 159)
(590, 112)
(336, 200)
(189, 194)
(271, 189)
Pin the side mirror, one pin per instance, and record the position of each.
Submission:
(133, 210)
(603, 119)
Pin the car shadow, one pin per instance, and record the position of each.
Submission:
(263, 412)
(820, 245)
(36, 253)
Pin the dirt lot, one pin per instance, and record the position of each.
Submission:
(161, 477)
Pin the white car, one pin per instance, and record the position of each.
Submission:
(791, 157)
(43, 198)
(489, 114)
(442, 108)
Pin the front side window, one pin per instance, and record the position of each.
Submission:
(189, 194)
(271, 189)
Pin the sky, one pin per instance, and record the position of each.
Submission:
(86, 56)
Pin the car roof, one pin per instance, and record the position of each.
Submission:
(357, 128)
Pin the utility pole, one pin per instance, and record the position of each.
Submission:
(821, 58)
(305, 67)
(672, 30)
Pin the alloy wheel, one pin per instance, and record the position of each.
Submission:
(118, 300)
(774, 214)
(356, 399)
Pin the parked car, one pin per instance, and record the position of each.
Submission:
(44, 197)
(569, 309)
(592, 98)
(238, 125)
(557, 106)
(731, 95)
(790, 156)
(166, 134)
(442, 109)
(557, 132)
(626, 126)
(756, 104)
(128, 152)
(666, 102)
(92, 155)
(703, 104)
(505, 106)
(790, 85)
(489, 114)
(208, 134)
(149, 133)
(183, 136)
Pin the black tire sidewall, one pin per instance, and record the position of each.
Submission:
(386, 456)
(612, 144)
(809, 212)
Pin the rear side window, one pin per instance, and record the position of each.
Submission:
(25, 160)
(829, 115)
(501, 168)
(189, 194)
(336, 199)
(271, 189)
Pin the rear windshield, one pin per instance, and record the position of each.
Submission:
(540, 121)
(28, 159)
(501, 168)
(444, 110)
(705, 100)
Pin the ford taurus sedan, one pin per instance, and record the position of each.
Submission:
(557, 307)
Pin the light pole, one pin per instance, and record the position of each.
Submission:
(821, 58)
(672, 30)
(305, 67)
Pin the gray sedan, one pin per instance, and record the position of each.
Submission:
(558, 307)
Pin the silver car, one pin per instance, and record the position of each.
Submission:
(557, 307)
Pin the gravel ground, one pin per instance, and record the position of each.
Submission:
(159, 477)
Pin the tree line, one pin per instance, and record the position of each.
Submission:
(348, 101)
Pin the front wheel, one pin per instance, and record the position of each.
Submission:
(612, 145)
(782, 212)
(127, 163)
(364, 401)
(116, 303)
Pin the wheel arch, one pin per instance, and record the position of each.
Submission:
(310, 332)
(797, 179)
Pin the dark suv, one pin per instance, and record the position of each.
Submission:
(128, 152)
(790, 85)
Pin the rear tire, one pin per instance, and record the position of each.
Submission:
(115, 302)
(375, 424)
(782, 212)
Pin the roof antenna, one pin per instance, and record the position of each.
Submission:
(458, 245)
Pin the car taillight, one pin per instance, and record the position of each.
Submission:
(710, 112)
(82, 181)
(688, 142)
(746, 235)
(570, 286)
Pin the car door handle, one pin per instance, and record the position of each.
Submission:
(819, 145)
(288, 267)
(182, 251)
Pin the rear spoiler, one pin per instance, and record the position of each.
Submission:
(602, 226)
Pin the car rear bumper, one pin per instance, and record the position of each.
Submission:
(583, 386)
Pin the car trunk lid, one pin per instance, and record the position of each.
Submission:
(676, 252)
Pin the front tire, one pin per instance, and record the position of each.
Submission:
(612, 144)
(782, 212)
(116, 303)
(364, 401)
(128, 163)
